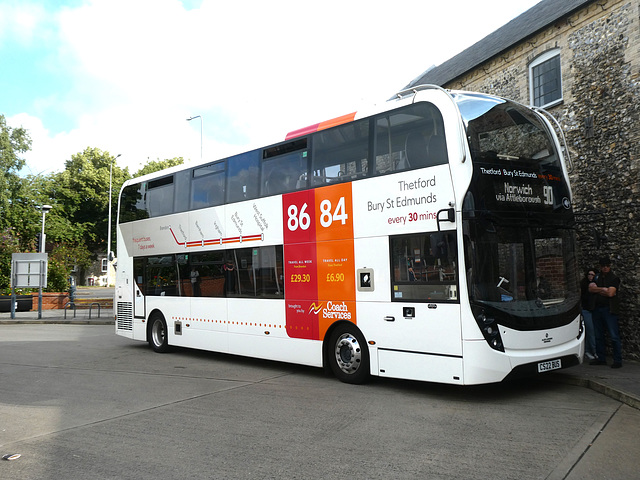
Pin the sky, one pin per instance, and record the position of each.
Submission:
(124, 75)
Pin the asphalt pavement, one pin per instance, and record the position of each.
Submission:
(622, 384)
(80, 402)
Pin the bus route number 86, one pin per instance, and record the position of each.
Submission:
(301, 219)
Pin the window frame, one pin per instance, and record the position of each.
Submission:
(538, 61)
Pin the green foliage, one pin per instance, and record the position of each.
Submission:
(61, 260)
(157, 165)
(13, 142)
(8, 244)
(82, 191)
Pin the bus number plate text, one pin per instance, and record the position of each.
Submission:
(550, 365)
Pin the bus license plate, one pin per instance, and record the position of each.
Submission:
(550, 365)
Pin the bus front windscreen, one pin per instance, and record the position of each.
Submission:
(527, 275)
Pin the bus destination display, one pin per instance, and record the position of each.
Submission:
(507, 188)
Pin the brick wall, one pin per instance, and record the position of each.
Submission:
(50, 301)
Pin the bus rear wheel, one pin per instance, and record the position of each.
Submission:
(158, 336)
(349, 355)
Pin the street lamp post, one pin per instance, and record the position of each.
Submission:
(44, 209)
(193, 118)
(109, 255)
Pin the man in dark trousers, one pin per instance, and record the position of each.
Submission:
(606, 288)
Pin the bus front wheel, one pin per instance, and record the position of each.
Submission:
(158, 336)
(349, 355)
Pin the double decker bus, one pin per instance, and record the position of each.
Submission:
(428, 239)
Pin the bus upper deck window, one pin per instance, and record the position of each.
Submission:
(412, 137)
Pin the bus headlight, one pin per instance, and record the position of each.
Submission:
(581, 329)
(489, 328)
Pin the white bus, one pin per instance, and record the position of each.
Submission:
(431, 239)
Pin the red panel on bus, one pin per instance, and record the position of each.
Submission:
(302, 131)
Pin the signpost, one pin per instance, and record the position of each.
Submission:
(28, 270)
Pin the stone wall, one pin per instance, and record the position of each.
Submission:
(600, 115)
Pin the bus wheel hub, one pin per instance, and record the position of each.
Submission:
(348, 353)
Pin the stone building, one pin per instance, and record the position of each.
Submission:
(580, 60)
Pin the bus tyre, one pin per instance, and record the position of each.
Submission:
(158, 335)
(348, 354)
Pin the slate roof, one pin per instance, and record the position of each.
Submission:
(537, 18)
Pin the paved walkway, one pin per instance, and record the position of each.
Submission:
(93, 316)
(622, 384)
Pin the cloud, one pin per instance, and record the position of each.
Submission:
(21, 22)
(130, 73)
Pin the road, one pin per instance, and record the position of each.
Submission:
(78, 402)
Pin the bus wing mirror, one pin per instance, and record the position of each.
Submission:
(450, 216)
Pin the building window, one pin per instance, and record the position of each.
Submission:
(546, 80)
(105, 265)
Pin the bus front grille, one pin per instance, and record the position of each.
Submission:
(124, 316)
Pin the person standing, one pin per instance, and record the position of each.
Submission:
(588, 300)
(195, 282)
(606, 288)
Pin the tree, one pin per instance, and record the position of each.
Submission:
(82, 191)
(157, 165)
(13, 142)
(76, 226)
(62, 258)
(8, 245)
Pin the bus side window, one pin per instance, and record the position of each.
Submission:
(181, 193)
(341, 154)
(161, 276)
(388, 149)
(284, 173)
(259, 272)
(243, 173)
(424, 267)
(133, 204)
(207, 185)
(160, 196)
(411, 138)
(426, 145)
(437, 152)
(203, 275)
